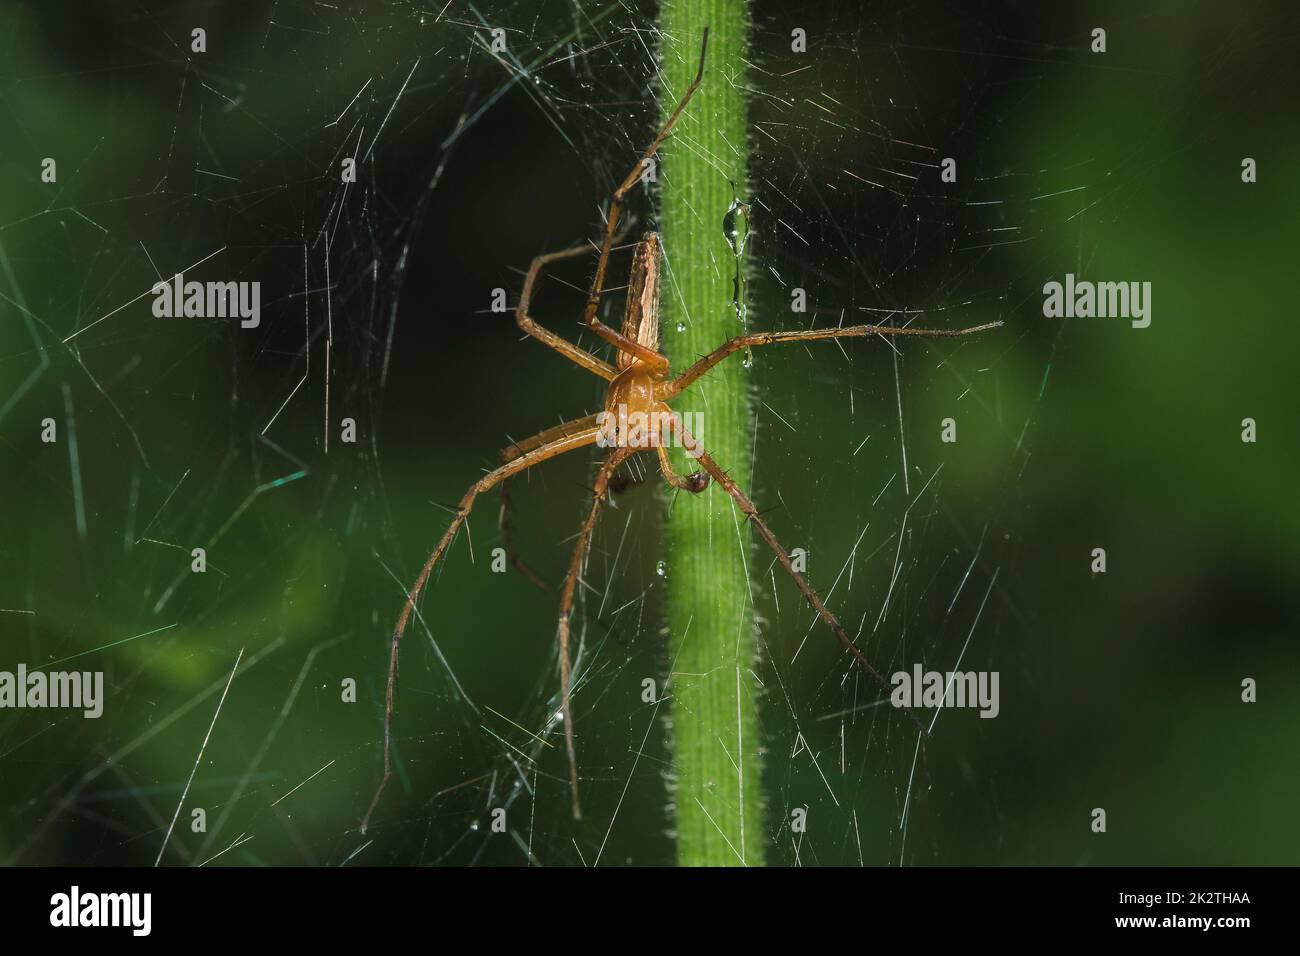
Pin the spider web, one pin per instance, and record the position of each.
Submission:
(377, 307)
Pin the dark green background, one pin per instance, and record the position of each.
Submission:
(1118, 691)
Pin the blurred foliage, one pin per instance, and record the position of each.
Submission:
(1120, 691)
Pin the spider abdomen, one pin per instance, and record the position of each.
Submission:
(641, 316)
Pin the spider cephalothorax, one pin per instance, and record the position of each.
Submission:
(636, 416)
(640, 383)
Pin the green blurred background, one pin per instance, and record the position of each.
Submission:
(1119, 691)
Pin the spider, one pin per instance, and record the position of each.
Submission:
(640, 382)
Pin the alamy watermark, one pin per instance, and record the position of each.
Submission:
(208, 300)
(82, 690)
(75, 909)
(954, 689)
(621, 428)
(1084, 299)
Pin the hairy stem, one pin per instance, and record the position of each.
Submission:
(713, 643)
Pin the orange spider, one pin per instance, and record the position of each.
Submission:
(640, 385)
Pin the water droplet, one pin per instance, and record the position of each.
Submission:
(661, 569)
(736, 230)
(735, 238)
(681, 326)
(473, 827)
(748, 360)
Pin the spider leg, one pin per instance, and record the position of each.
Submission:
(566, 348)
(524, 461)
(507, 542)
(598, 491)
(694, 482)
(656, 361)
(751, 513)
(503, 519)
(683, 381)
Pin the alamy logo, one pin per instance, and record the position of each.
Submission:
(103, 909)
(1124, 300)
(953, 689)
(76, 689)
(208, 300)
(637, 429)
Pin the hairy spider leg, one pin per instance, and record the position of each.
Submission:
(669, 420)
(598, 490)
(751, 513)
(566, 348)
(676, 386)
(694, 483)
(503, 519)
(657, 363)
(490, 480)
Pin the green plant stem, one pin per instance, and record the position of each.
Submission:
(712, 642)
